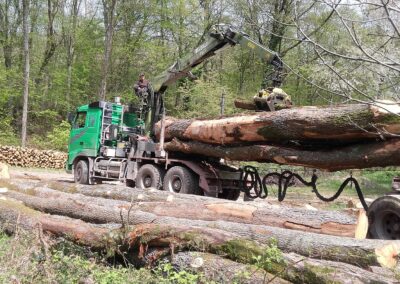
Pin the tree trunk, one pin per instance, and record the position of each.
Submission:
(70, 45)
(339, 124)
(25, 12)
(358, 156)
(98, 210)
(209, 209)
(245, 104)
(51, 44)
(298, 269)
(108, 13)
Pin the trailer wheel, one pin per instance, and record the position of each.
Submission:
(384, 218)
(181, 180)
(149, 176)
(81, 172)
(230, 194)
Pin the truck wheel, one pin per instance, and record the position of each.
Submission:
(384, 218)
(181, 180)
(230, 194)
(149, 176)
(81, 172)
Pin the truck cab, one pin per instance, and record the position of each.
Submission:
(108, 142)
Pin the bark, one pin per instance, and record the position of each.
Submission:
(51, 43)
(358, 156)
(108, 13)
(222, 270)
(298, 269)
(15, 215)
(70, 46)
(25, 27)
(323, 222)
(245, 105)
(349, 250)
(342, 123)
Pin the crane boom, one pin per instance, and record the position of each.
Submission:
(221, 36)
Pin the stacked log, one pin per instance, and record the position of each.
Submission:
(195, 242)
(329, 138)
(32, 158)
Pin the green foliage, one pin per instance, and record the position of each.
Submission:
(23, 259)
(57, 139)
(167, 274)
(270, 259)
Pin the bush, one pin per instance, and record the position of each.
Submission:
(57, 139)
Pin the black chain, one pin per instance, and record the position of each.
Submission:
(254, 187)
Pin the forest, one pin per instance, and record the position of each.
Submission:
(57, 55)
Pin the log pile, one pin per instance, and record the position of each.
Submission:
(347, 136)
(32, 158)
(215, 237)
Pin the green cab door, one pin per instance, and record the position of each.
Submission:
(85, 134)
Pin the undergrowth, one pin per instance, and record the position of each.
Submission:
(25, 258)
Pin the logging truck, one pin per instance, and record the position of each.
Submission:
(114, 142)
(109, 141)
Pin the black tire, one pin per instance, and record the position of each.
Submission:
(81, 172)
(384, 218)
(149, 176)
(180, 179)
(230, 194)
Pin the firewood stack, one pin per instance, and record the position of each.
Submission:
(32, 158)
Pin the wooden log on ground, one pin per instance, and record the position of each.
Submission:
(298, 269)
(365, 155)
(344, 123)
(208, 209)
(14, 215)
(149, 242)
(349, 250)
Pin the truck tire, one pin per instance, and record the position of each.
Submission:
(81, 172)
(229, 194)
(384, 218)
(149, 176)
(180, 179)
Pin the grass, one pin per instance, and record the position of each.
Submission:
(25, 259)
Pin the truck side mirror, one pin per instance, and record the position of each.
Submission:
(70, 117)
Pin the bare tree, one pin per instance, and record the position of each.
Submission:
(69, 39)
(10, 20)
(25, 27)
(109, 21)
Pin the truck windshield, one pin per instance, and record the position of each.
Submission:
(80, 120)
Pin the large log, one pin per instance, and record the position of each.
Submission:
(349, 250)
(355, 122)
(209, 209)
(147, 243)
(299, 270)
(363, 155)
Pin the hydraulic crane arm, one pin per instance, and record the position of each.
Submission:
(221, 36)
